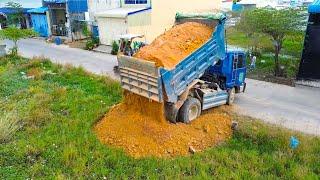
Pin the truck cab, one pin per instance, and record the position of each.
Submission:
(223, 80)
(231, 72)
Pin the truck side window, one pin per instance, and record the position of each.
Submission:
(219, 63)
(240, 61)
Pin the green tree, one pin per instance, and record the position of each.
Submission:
(15, 34)
(17, 16)
(277, 24)
(247, 25)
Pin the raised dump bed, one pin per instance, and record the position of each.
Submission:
(166, 85)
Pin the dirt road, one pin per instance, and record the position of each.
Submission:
(296, 108)
(97, 63)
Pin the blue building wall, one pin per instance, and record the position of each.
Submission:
(74, 6)
(40, 24)
(77, 6)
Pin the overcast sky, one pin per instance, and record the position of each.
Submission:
(24, 3)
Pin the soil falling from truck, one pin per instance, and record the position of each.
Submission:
(138, 125)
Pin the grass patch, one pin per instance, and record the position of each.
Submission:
(265, 69)
(57, 111)
(292, 45)
(9, 124)
(240, 39)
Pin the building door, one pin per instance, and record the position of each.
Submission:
(40, 24)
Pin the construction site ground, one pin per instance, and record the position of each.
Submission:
(139, 126)
(59, 107)
(267, 101)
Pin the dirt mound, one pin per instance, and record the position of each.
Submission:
(138, 125)
(142, 131)
(175, 44)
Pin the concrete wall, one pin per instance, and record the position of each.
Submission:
(140, 23)
(110, 28)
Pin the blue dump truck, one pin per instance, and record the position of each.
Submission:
(207, 78)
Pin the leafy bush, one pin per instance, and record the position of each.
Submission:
(115, 48)
(92, 43)
(8, 126)
(89, 45)
(85, 29)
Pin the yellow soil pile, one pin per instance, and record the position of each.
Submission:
(175, 44)
(139, 127)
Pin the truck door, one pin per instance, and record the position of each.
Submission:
(240, 70)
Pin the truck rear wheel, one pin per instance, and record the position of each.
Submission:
(190, 110)
(231, 97)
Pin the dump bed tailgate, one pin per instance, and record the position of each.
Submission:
(140, 77)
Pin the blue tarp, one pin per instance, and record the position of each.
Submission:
(237, 7)
(314, 7)
(39, 10)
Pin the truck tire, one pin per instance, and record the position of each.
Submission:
(190, 110)
(231, 96)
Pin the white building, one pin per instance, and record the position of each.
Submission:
(98, 6)
(146, 17)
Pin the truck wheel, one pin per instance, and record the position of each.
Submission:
(190, 110)
(231, 97)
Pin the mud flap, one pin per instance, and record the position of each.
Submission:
(244, 87)
(171, 112)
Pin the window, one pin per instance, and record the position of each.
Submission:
(219, 63)
(240, 61)
(136, 1)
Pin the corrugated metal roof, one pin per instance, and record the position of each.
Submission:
(314, 7)
(40, 10)
(77, 6)
(120, 12)
(54, 1)
(11, 10)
